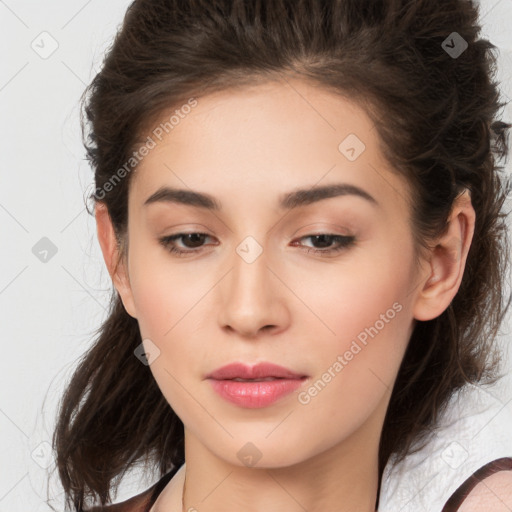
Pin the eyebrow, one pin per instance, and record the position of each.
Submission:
(288, 201)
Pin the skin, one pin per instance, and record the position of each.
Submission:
(297, 309)
(493, 493)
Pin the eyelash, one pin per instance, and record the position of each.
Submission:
(344, 241)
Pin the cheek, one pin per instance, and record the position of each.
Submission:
(165, 298)
(365, 317)
(357, 365)
(172, 301)
(164, 293)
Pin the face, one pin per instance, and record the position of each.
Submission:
(321, 283)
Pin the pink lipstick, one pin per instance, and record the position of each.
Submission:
(254, 386)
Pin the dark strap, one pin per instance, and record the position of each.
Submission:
(456, 499)
(141, 502)
(159, 486)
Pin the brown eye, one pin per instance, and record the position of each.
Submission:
(322, 243)
(193, 240)
(190, 241)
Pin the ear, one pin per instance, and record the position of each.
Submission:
(111, 254)
(447, 260)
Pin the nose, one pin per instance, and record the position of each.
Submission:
(253, 299)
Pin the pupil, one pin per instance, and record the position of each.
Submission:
(326, 240)
(196, 236)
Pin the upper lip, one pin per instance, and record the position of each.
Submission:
(260, 370)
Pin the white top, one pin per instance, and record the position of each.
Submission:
(475, 429)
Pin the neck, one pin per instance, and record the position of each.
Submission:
(343, 478)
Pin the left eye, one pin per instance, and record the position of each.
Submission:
(193, 242)
(325, 239)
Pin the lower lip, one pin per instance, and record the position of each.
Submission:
(253, 395)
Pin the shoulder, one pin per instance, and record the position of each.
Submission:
(492, 493)
(489, 488)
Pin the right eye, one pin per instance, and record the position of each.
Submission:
(194, 239)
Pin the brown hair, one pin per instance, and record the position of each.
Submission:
(435, 113)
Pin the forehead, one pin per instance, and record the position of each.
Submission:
(270, 136)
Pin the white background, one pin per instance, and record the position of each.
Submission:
(50, 310)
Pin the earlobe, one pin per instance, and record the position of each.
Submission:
(111, 254)
(445, 267)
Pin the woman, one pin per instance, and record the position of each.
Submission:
(300, 208)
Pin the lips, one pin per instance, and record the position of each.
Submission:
(254, 394)
(256, 386)
(258, 372)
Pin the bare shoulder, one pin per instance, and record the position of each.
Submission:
(492, 493)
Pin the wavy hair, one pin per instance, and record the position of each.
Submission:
(436, 114)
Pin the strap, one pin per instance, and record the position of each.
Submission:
(456, 499)
(141, 502)
(159, 486)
